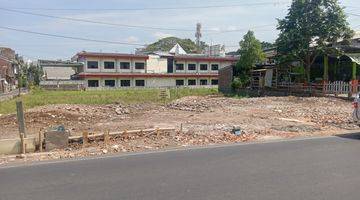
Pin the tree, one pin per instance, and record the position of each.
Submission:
(267, 45)
(309, 29)
(34, 74)
(250, 54)
(166, 44)
(30, 75)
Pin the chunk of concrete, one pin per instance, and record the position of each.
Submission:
(56, 140)
(13, 146)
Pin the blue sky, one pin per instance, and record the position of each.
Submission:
(261, 18)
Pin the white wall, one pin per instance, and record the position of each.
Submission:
(155, 64)
(58, 72)
(160, 82)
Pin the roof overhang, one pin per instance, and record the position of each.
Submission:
(146, 75)
(205, 59)
(354, 57)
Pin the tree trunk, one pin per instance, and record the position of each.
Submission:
(307, 67)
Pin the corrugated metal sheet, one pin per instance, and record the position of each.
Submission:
(355, 57)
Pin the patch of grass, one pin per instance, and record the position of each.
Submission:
(41, 97)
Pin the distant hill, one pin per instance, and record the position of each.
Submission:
(166, 44)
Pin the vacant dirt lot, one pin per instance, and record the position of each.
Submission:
(258, 118)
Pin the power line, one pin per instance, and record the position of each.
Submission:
(241, 30)
(71, 37)
(95, 22)
(156, 8)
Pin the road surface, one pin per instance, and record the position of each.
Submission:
(321, 168)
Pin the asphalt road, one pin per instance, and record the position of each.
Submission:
(326, 168)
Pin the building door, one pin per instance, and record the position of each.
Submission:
(170, 65)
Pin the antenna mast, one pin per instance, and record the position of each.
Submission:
(198, 36)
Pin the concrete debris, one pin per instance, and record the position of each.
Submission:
(115, 148)
(266, 115)
(205, 121)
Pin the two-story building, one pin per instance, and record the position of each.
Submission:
(159, 69)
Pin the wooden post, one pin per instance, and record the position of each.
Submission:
(22, 141)
(326, 68)
(40, 142)
(106, 137)
(354, 70)
(85, 139)
(181, 128)
(157, 132)
(20, 117)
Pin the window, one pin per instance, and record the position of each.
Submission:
(93, 83)
(140, 83)
(215, 67)
(125, 83)
(179, 82)
(109, 65)
(191, 67)
(124, 65)
(214, 82)
(203, 82)
(179, 67)
(92, 64)
(192, 82)
(109, 83)
(139, 65)
(203, 67)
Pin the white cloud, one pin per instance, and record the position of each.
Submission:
(215, 29)
(132, 39)
(231, 28)
(160, 35)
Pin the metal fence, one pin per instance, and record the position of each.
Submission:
(330, 88)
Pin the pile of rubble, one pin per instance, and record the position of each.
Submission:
(198, 115)
(199, 104)
(321, 111)
(85, 110)
(134, 143)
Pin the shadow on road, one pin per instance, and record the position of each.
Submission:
(354, 136)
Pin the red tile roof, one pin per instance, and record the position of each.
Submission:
(110, 55)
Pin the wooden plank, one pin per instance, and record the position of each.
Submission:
(106, 138)
(40, 141)
(85, 139)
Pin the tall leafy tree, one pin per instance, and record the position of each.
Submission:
(267, 45)
(250, 53)
(309, 29)
(34, 74)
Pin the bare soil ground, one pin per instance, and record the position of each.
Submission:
(260, 118)
(204, 120)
